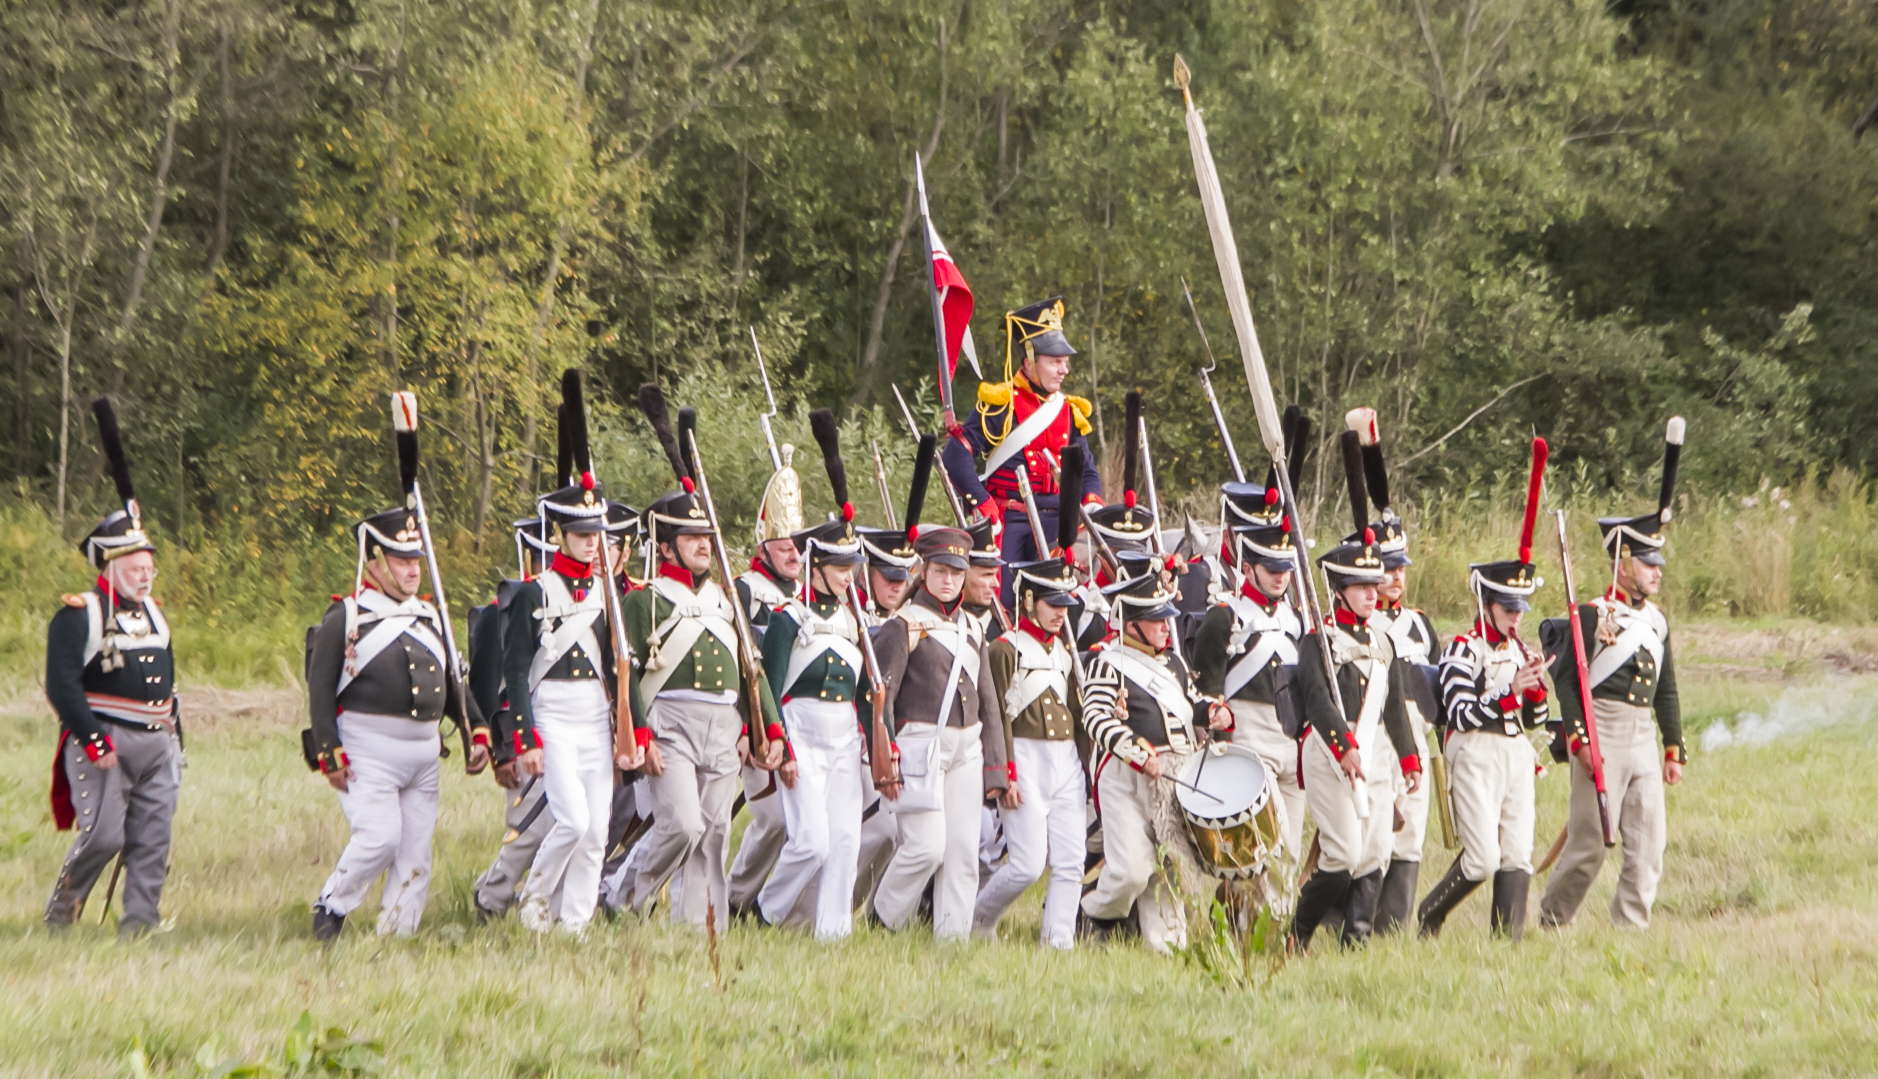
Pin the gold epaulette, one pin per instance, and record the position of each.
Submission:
(1080, 408)
(995, 394)
(72, 599)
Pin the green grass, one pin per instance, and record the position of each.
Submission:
(1761, 962)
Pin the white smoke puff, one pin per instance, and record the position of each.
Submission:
(1798, 710)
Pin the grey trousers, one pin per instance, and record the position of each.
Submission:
(763, 837)
(497, 888)
(129, 809)
(690, 806)
(1633, 777)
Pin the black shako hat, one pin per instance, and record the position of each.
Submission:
(984, 537)
(1268, 546)
(1141, 599)
(889, 553)
(121, 532)
(1352, 563)
(1050, 581)
(1038, 328)
(1505, 583)
(394, 532)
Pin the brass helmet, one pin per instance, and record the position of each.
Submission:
(780, 514)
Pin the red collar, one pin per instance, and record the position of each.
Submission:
(567, 567)
(1102, 578)
(1391, 608)
(1036, 631)
(1485, 630)
(678, 573)
(757, 565)
(1623, 597)
(1256, 594)
(1345, 617)
(925, 596)
(1020, 384)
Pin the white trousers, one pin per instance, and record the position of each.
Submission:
(1255, 726)
(690, 804)
(1046, 830)
(763, 837)
(1414, 804)
(391, 804)
(879, 835)
(576, 732)
(1492, 780)
(1633, 778)
(1131, 870)
(823, 817)
(940, 844)
(1345, 840)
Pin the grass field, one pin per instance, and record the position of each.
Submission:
(1762, 961)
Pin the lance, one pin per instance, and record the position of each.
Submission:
(1206, 383)
(763, 419)
(1258, 380)
(932, 293)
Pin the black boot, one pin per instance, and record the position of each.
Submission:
(1509, 902)
(1441, 901)
(1359, 907)
(1325, 891)
(326, 924)
(1398, 896)
(1097, 930)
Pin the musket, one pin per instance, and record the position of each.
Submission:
(884, 769)
(626, 752)
(945, 478)
(404, 423)
(749, 662)
(762, 419)
(932, 293)
(1154, 509)
(880, 481)
(1592, 745)
(1206, 383)
(1258, 380)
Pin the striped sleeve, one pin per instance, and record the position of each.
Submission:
(1462, 682)
(1104, 712)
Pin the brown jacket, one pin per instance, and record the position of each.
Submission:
(915, 670)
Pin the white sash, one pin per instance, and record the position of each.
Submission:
(1641, 630)
(1160, 682)
(919, 764)
(1277, 636)
(564, 624)
(694, 614)
(1035, 424)
(393, 620)
(158, 635)
(1039, 670)
(818, 635)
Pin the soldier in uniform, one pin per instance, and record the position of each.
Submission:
(1633, 700)
(1041, 813)
(378, 682)
(774, 579)
(814, 654)
(687, 682)
(1022, 422)
(1349, 761)
(110, 676)
(1246, 654)
(525, 816)
(1492, 693)
(1416, 644)
(949, 738)
(890, 564)
(558, 661)
(1138, 709)
(984, 576)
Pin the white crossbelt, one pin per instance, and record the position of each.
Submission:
(708, 610)
(1640, 632)
(565, 623)
(389, 620)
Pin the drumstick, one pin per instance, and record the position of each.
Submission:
(1191, 787)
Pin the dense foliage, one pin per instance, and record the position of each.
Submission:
(251, 221)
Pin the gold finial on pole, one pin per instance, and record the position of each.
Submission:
(1182, 76)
